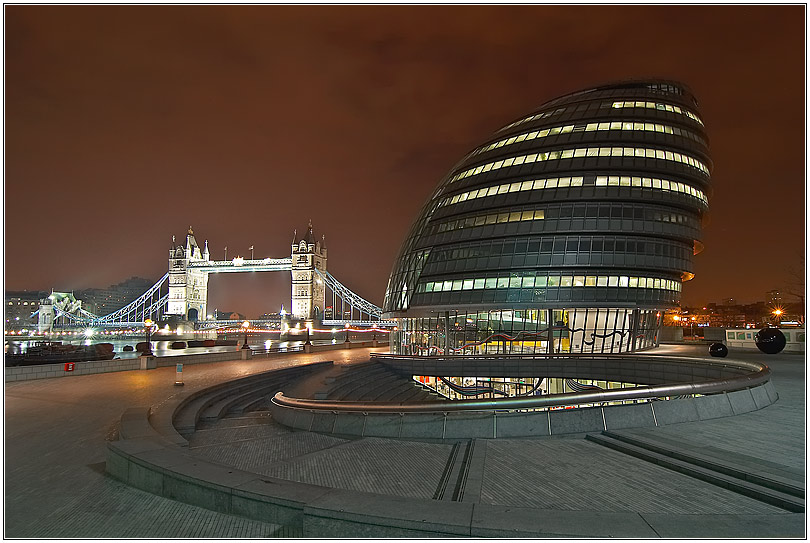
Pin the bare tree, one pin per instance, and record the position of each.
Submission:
(795, 284)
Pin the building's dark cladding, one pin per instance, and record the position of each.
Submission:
(594, 200)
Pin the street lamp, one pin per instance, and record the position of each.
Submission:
(245, 326)
(148, 325)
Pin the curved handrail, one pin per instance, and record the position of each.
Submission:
(756, 374)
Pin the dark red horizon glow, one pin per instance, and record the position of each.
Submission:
(126, 124)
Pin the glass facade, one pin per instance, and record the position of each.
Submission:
(466, 388)
(527, 331)
(570, 230)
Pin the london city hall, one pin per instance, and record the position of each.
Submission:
(570, 230)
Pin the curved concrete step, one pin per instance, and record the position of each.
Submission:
(783, 500)
(754, 471)
(346, 384)
(215, 400)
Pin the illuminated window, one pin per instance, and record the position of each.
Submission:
(590, 127)
(550, 183)
(530, 281)
(615, 151)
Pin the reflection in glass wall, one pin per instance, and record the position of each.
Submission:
(527, 332)
(479, 388)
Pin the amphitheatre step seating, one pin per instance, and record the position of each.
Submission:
(722, 473)
(214, 402)
(348, 380)
(377, 383)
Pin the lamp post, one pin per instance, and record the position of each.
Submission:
(777, 313)
(148, 326)
(245, 326)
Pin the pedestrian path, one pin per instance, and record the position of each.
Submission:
(55, 448)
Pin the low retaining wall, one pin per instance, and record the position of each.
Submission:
(640, 368)
(745, 338)
(493, 424)
(46, 371)
(190, 359)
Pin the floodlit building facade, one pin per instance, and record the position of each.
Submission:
(570, 230)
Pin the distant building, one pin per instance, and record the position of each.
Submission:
(229, 316)
(18, 308)
(103, 301)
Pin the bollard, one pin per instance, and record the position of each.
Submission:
(178, 380)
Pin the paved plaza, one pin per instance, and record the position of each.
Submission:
(56, 432)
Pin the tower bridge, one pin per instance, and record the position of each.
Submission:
(182, 292)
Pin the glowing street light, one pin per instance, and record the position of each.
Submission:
(148, 326)
(245, 326)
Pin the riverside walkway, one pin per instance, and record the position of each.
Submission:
(55, 446)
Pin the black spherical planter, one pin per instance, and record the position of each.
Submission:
(770, 340)
(718, 349)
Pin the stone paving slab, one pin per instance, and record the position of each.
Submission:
(721, 456)
(575, 474)
(55, 447)
(788, 525)
(252, 418)
(106, 508)
(255, 454)
(214, 436)
(524, 522)
(775, 435)
(382, 466)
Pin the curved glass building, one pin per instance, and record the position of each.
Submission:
(570, 230)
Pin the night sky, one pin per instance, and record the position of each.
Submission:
(124, 125)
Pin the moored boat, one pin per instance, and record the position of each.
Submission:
(54, 352)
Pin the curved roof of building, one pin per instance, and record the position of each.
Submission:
(593, 200)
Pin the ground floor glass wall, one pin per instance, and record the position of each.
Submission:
(528, 331)
(477, 388)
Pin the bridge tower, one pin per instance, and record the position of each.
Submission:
(308, 289)
(188, 288)
(46, 315)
